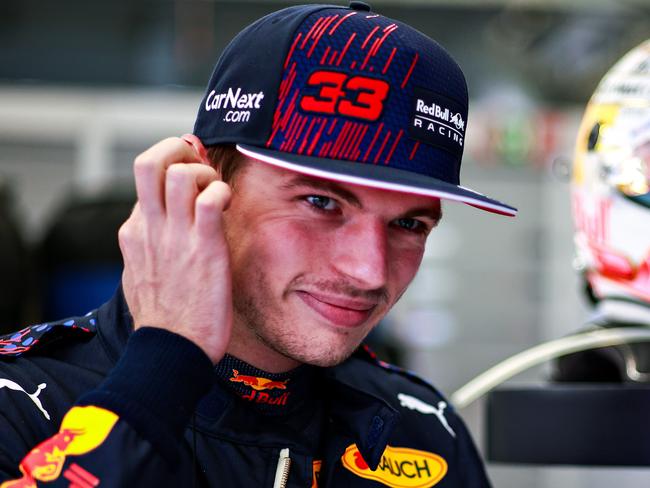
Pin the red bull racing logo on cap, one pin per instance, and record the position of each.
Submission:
(437, 120)
(400, 467)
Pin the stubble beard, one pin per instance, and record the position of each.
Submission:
(262, 315)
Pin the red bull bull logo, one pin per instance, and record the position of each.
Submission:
(82, 430)
(258, 385)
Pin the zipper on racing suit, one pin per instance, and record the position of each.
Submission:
(282, 471)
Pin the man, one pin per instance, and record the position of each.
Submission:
(252, 274)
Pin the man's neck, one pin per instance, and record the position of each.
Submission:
(247, 346)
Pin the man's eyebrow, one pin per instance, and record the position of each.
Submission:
(434, 212)
(322, 184)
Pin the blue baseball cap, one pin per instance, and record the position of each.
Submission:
(345, 94)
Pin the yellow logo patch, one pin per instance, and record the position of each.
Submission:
(82, 430)
(400, 467)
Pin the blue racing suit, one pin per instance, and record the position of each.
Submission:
(88, 402)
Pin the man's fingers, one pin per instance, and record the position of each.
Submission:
(210, 205)
(130, 236)
(196, 143)
(150, 168)
(182, 185)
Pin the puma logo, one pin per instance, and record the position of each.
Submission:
(416, 404)
(5, 383)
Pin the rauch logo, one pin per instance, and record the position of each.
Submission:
(400, 467)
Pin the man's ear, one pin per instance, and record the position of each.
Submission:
(196, 143)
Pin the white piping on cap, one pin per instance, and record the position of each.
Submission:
(377, 184)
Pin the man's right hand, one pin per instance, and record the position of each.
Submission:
(176, 264)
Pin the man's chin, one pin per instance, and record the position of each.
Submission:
(326, 362)
(324, 358)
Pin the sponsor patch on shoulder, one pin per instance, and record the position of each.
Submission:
(82, 430)
(400, 467)
(437, 120)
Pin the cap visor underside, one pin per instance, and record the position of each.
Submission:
(375, 176)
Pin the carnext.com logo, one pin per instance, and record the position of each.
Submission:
(235, 100)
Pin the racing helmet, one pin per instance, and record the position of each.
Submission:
(610, 187)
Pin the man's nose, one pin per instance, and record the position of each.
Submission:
(361, 253)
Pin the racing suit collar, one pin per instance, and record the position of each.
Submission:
(358, 416)
(269, 393)
(114, 324)
(365, 418)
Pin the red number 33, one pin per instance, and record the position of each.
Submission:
(357, 96)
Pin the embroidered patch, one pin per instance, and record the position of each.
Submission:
(82, 430)
(400, 467)
(437, 120)
(258, 384)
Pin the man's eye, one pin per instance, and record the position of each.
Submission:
(321, 202)
(412, 225)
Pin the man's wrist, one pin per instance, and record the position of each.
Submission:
(156, 384)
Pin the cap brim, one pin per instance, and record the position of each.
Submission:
(376, 176)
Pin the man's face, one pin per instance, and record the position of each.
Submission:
(316, 264)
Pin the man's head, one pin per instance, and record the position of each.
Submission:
(350, 129)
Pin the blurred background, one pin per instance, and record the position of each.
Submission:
(86, 86)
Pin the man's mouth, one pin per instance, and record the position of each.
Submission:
(340, 310)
